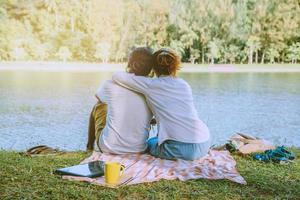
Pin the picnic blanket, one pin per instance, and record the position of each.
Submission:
(143, 168)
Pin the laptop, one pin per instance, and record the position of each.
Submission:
(91, 170)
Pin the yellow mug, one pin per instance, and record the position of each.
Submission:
(112, 172)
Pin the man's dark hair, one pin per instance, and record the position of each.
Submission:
(140, 61)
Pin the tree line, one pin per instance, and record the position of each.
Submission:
(201, 31)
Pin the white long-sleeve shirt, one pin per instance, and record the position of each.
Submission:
(127, 121)
(171, 102)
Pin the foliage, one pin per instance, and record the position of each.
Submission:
(206, 31)
(32, 178)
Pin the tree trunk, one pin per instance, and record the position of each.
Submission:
(263, 58)
(123, 37)
(256, 56)
(72, 24)
(56, 20)
(202, 51)
(250, 56)
(193, 60)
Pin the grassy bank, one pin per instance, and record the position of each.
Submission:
(31, 178)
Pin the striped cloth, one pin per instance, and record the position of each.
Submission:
(142, 168)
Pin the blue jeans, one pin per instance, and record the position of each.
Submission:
(173, 150)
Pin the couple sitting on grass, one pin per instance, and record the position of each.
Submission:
(120, 121)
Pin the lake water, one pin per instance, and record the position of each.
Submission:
(52, 108)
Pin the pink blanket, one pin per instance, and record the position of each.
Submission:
(142, 168)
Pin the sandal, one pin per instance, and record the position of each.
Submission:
(41, 150)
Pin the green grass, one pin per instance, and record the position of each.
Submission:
(32, 178)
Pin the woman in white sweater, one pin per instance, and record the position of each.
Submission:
(181, 134)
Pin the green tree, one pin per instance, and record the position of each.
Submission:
(253, 45)
(294, 53)
(102, 52)
(18, 53)
(53, 6)
(214, 50)
(272, 53)
(64, 53)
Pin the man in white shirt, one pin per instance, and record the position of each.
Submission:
(120, 121)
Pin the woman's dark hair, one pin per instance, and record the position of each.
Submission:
(167, 62)
(140, 61)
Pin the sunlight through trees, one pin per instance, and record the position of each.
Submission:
(206, 31)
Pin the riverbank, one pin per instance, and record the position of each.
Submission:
(112, 67)
(32, 178)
